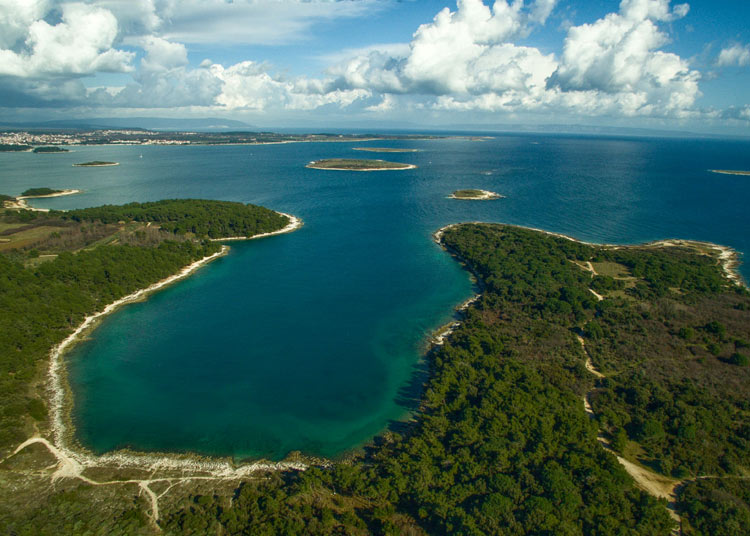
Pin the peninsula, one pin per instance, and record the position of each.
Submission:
(19, 203)
(32, 193)
(475, 195)
(346, 164)
(729, 172)
(96, 163)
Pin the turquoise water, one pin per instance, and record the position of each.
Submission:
(307, 341)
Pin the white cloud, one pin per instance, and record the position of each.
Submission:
(162, 55)
(619, 55)
(248, 85)
(16, 17)
(734, 55)
(81, 43)
(462, 52)
(467, 59)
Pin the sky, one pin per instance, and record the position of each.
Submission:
(365, 63)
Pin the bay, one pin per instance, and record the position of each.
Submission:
(309, 341)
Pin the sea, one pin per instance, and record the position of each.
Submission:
(315, 341)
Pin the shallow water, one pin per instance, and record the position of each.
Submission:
(306, 341)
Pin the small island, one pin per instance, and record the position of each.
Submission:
(475, 195)
(347, 164)
(385, 150)
(96, 163)
(730, 172)
(50, 150)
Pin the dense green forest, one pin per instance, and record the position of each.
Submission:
(50, 149)
(500, 443)
(711, 507)
(212, 219)
(12, 147)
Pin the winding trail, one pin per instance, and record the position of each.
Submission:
(69, 467)
(652, 483)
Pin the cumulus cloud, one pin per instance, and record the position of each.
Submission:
(81, 43)
(468, 59)
(475, 57)
(736, 54)
(250, 86)
(618, 56)
(162, 55)
(462, 52)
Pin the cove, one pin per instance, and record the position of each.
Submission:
(306, 341)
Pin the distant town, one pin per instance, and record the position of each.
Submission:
(22, 140)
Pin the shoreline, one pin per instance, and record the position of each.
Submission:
(56, 194)
(225, 468)
(21, 204)
(79, 458)
(294, 224)
(730, 172)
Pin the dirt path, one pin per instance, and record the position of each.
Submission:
(68, 467)
(652, 483)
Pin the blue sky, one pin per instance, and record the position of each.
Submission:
(639, 63)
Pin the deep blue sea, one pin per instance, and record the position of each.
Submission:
(307, 341)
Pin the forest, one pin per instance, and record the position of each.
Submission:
(500, 443)
(200, 218)
(31, 192)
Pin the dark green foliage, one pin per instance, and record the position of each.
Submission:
(4, 197)
(212, 219)
(39, 191)
(714, 507)
(11, 147)
(739, 359)
(95, 163)
(50, 149)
